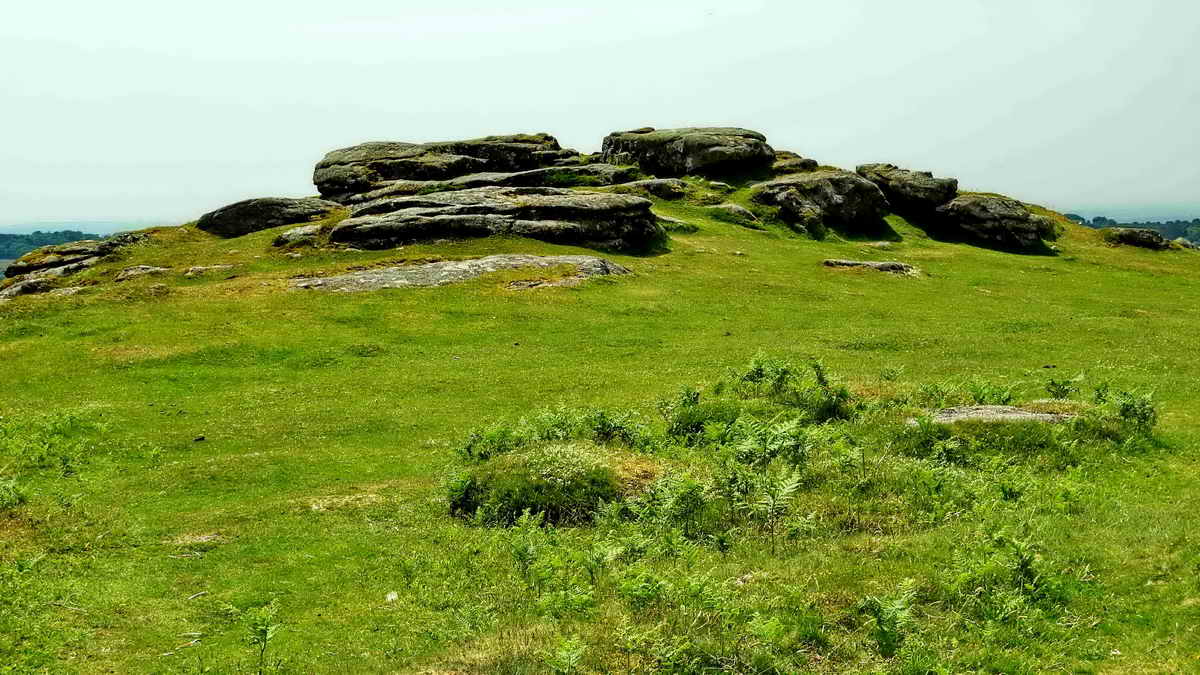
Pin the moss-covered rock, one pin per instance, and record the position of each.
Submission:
(679, 152)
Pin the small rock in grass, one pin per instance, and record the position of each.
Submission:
(994, 413)
(140, 271)
(883, 266)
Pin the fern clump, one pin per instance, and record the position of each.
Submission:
(561, 482)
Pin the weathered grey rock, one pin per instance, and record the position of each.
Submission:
(298, 236)
(74, 256)
(663, 188)
(676, 225)
(910, 192)
(25, 287)
(882, 266)
(994, 413)
(200, 270)
(565, 176)
(621, 222)
(557, 176)
(1187, 243)
(825, 197)
(442, 273)
(790, 162)
(70, 290)
(1136, 236)
(679, 152)
(362, 167)
(140, 271)
(252, 215)
(733, 212)
(994, 220)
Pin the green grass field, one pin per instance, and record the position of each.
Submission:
(179, 454)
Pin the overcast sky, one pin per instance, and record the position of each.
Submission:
(159, 111)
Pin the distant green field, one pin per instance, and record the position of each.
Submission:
(177, 458)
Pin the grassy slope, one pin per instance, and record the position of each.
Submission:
(328, 420)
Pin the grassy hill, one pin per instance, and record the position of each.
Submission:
(194, 461)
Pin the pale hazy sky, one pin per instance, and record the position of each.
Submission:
(159, 111)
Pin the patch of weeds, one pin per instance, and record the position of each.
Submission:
(565, 483)
(890, 617)
(262, 624)
(989, 393)
(11, 494)
(1062, 389)
(60, 440)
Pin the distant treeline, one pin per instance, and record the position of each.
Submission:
(16, 245)
(1171, 229)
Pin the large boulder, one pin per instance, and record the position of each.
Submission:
(994, 220)
(1136, 236)
(64, 259)
(620, 222)
(253, 215)
(826, 197)
(362, 168)
(910, 192)
(790, 162)
(679, 152)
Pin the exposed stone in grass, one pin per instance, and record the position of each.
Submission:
(620, 222)
(66, 259)
(140, 271)
(680, 152)
(26, 287)
(299, 236)
(363, 167)
(676, 225)
(910, 192)
(826, 196)
(882, 266)
(994, 220)
(734, 213)
(252, 215)
(1136, 236)
(448, 272)
(1186, 243)
(663, 188)
(205, 269)
(995, 413)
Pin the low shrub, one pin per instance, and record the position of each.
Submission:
(563, 483)
(11, 494)
(689, 422)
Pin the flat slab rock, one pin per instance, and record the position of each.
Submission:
(453, 271)
(881, 266)
(619, 222)
(994, 413)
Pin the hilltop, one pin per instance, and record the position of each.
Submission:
(329, 415)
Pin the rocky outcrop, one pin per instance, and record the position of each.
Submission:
(252, 215)
(825, 197)
(1136, 236)
(994, 220)
(620, 222)
(66, 259)
(679, 152)
(790, 162)
(442, 273)
(910, 192)
(883, 266)
(565, 176)
(364, 167)
(1187, 243)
